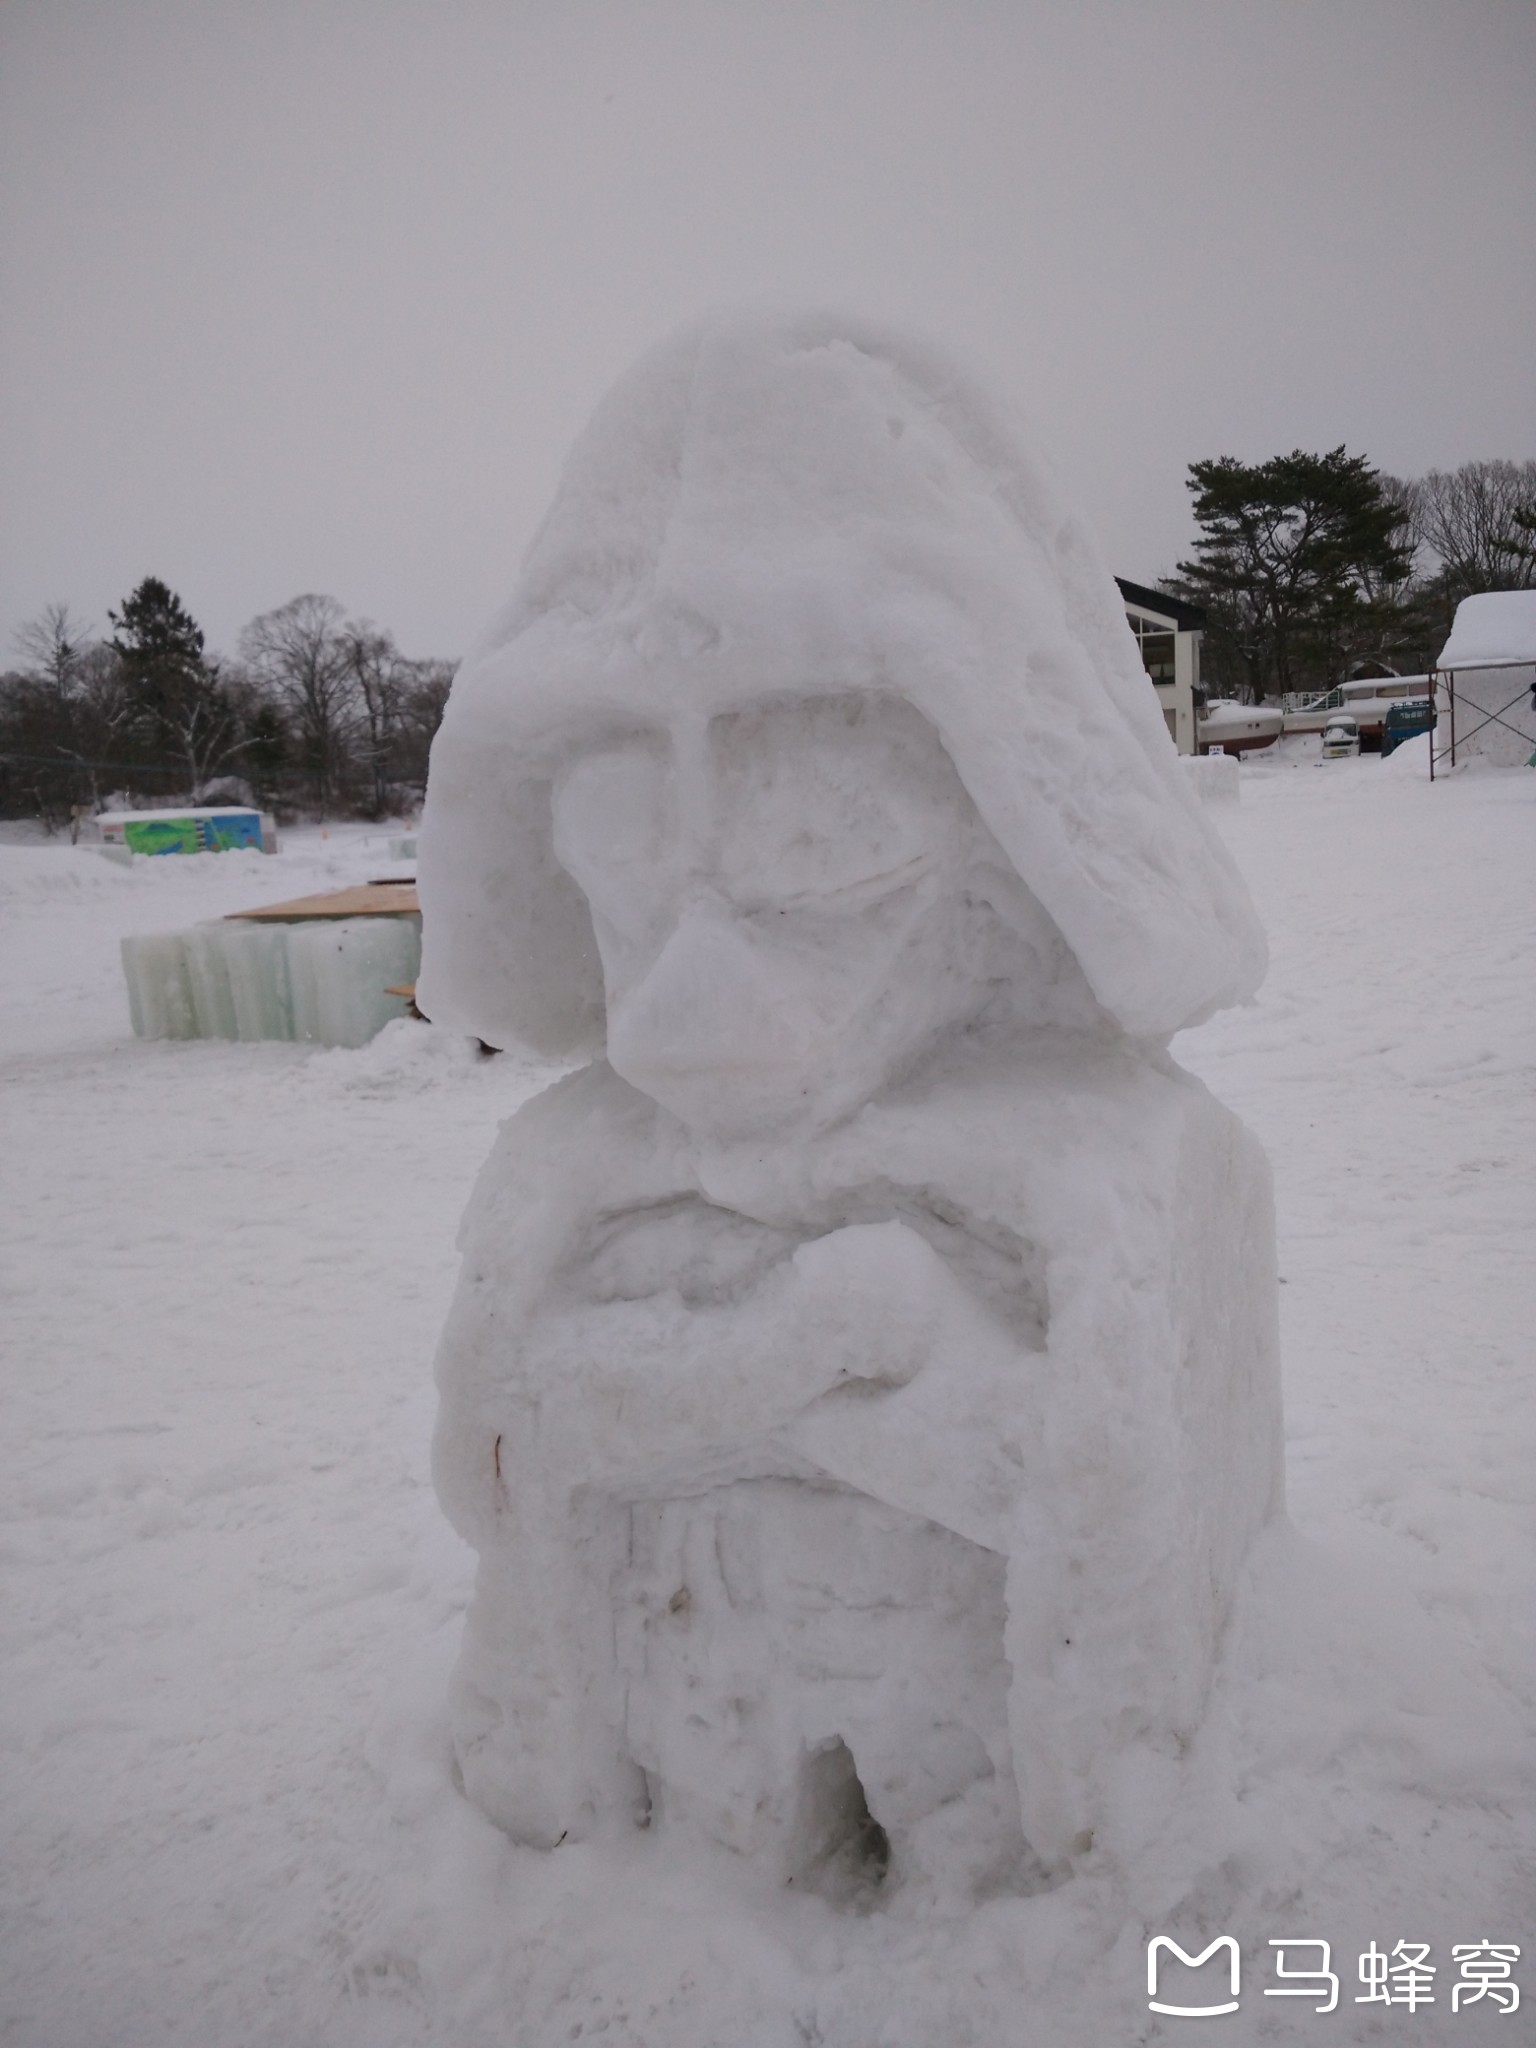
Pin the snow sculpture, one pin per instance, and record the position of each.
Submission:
(862, 1386)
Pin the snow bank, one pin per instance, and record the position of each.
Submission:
(41, 875)
(1410, 760)
(1494, 626)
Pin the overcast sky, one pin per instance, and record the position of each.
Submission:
(313, 296)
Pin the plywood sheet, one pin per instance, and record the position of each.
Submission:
(368, 899)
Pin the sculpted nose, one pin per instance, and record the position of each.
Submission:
(707, 1001)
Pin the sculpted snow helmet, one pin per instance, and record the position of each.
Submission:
(770, 510)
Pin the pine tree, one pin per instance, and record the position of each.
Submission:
(179, 706)
(1296, 559)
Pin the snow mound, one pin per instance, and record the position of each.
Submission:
(411, 1057)
(1215, 778)
(1410, 760)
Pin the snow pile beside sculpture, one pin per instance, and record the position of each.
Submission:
(862, 1388)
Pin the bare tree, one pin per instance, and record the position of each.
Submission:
(301, 654)
(426, 699)
(54, 648)
(104, 703)
(64, 713)
(1469, 517)
(383, 678)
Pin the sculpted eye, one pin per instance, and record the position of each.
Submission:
(837, 798)
(610, 815)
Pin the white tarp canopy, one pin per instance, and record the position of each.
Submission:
(1496, 628)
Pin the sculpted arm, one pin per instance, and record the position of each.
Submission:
(860, 1354)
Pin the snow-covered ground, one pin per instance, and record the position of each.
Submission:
(231, 1601)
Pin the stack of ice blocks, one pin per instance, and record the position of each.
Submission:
(325, 981)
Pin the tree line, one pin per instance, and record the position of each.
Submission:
(1312, 568)
(317, 712)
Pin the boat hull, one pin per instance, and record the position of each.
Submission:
(1240, 728)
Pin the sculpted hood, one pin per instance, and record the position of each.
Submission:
(801, 507)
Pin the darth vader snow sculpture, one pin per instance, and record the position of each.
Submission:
(862, 1387)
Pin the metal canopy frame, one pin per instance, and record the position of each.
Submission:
(1479, 668)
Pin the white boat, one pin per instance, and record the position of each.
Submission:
(1239, 727)
(1367, 701)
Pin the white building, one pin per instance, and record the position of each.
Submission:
(1168, 632)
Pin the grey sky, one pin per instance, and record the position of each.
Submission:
(313, 296)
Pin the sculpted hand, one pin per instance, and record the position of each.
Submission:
(934, 1405)
(868, 1302)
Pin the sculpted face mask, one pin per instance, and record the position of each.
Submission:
(790, 902)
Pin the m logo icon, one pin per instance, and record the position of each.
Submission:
(1191, 2012)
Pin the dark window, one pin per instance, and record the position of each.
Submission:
(1157, 656)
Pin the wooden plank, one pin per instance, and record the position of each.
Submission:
(369, 899)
